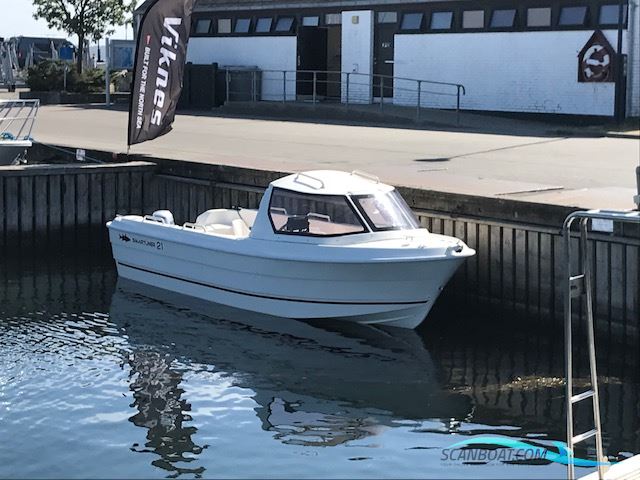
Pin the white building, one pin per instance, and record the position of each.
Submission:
(511, 56)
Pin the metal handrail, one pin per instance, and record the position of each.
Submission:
(24, 122)
(375, 82)
(584, 281)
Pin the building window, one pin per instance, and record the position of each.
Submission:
(203, 26)
(412, 21)
(333, 19)
(304, 214)
(609, 14)
(573, 16)
(473, 19)
(310, 21)
(284, 24)
(242, 25)
(387, 17)
(264, 25)
(539, 17)
(224, 25)
(441, 20)
(503, 18)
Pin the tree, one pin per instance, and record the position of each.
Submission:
(88, 19)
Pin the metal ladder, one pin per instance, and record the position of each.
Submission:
(579, 286)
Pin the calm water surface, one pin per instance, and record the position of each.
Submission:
(103, 378)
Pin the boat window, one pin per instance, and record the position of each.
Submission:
(386, 211)
(310, 21)
(296, 213)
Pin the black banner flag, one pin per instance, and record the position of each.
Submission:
(157, 78)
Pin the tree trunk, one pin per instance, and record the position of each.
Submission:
(80, 54)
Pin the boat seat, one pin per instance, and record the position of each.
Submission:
(240, 228)
(218, 228)
(220, 216)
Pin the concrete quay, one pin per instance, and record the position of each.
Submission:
(538, 167)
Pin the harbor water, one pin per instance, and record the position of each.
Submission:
(101, 377)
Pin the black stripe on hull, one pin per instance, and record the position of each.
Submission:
(267, 297)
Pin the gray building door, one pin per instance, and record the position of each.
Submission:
(383, 58)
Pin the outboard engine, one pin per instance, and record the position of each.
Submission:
(165, 215)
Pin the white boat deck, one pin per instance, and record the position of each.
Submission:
(628, 469)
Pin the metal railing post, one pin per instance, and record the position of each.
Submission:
(253, 86)
(381, 93)
(284, 86)
(227, 80)
(315, 78)
(419, 100)
(347, 94)
(458, 105)
(107, 74)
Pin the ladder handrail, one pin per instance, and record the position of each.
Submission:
(585, 278)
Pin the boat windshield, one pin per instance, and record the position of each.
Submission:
(295, 213)
(386, 211)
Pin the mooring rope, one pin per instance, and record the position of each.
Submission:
(67, 151)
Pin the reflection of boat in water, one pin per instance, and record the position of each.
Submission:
(16, 123)
(313, 386)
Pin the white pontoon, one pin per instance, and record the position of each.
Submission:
(16, 124)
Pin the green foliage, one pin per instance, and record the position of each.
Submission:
(48, 76)
(88, 19)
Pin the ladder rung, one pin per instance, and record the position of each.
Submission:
(582, 396)
(583, 436)
(576, 284)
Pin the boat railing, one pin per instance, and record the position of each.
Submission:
(17, 118)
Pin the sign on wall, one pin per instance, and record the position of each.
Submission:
(596, 60)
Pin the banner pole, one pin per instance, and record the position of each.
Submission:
(107, 80)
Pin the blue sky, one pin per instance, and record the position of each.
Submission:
(16, 18)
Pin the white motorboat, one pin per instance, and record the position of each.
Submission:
(16, 123)
(323, 244)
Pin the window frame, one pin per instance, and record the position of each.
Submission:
(388, 12)
(576, 26)
(304, 17)
(418, 29)
(625, 15)
(249, 25)
(197, 22)
(231, 25)
(514, 22)
(366, 227)
(452, 23)
(291, 27)
(255, 30)
(471, 29)
(538, 27)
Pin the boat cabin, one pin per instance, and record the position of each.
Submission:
(309, 207)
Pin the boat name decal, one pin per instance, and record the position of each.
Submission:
(143, 242)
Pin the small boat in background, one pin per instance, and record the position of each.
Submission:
(323, 244)
(17, 118)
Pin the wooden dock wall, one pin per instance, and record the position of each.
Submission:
(518, 267)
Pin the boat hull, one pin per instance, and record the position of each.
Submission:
(396, 293)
